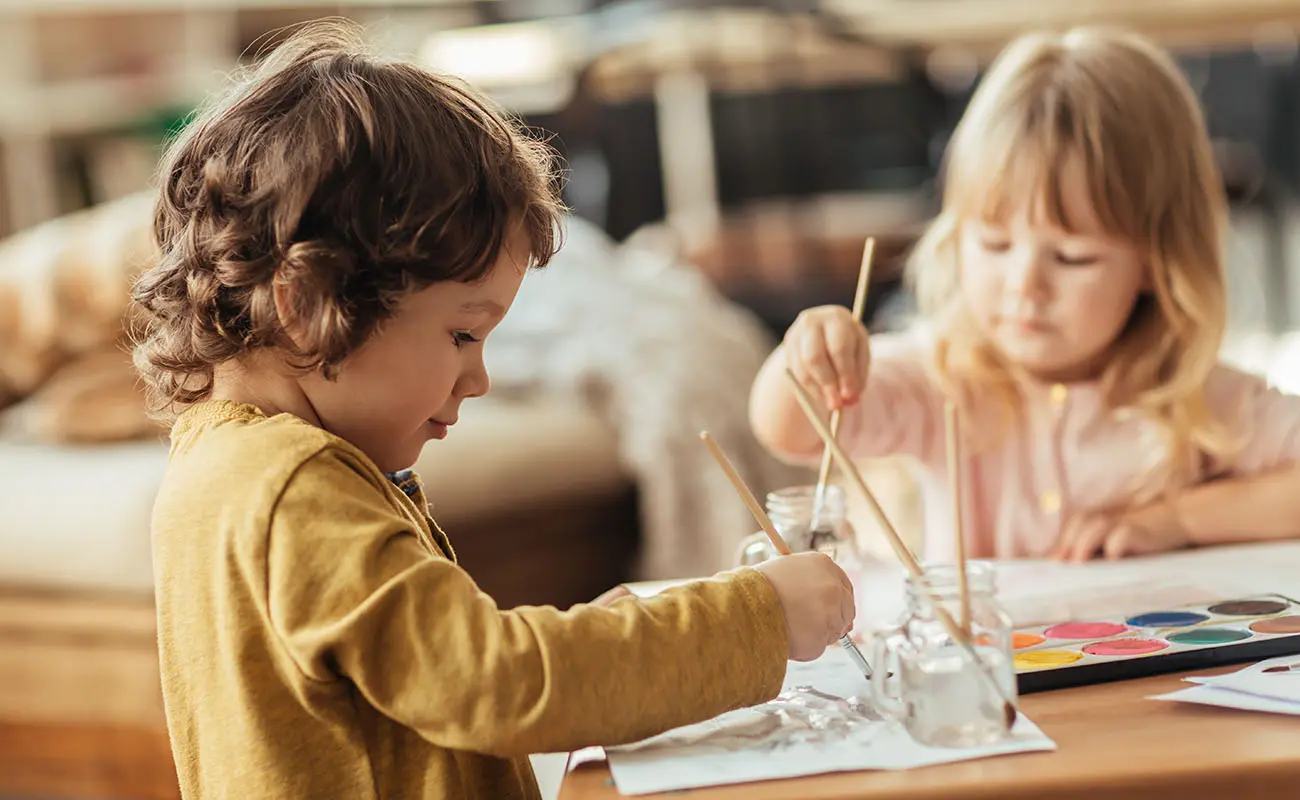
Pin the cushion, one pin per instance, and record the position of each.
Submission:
(64, 286)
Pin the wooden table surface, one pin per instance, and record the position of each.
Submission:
(1112, 742)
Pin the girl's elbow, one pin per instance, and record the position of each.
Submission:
(784, 443)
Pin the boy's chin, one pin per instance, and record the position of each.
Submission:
(398, 458)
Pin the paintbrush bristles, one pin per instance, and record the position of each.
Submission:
(952, 429)
(759, 514)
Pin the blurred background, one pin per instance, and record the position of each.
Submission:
(725, 161)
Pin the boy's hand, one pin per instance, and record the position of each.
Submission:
(829, 352)
(616, 593)
(817, 599)
(1114, 535)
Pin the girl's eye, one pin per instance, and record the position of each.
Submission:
(992, 245)
(1071, 260)
(462, 338)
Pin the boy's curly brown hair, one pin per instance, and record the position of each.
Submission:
(351, 179)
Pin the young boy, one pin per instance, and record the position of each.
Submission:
(338, 236)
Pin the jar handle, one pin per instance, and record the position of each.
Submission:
(886, 682)
(754, 549)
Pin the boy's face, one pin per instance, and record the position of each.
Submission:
(404, 386)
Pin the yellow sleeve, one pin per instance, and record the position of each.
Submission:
(353, 592)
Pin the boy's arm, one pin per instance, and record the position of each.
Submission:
(899, 411)
(354, 593)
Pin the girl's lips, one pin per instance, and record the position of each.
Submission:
(1026, 325)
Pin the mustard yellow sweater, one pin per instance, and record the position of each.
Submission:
(318, 639)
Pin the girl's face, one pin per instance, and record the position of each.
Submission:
(1051, 301)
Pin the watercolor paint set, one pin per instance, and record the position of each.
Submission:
(1082, 652)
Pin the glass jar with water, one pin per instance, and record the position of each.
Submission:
(807, 526)
(947, 693)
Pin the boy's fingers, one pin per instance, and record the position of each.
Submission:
(612, 595)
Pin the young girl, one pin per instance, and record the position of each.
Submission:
(338, 237)
(1073, 301)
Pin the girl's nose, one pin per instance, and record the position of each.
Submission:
(1028, 275)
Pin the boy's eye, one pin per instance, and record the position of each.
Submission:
(462, 338)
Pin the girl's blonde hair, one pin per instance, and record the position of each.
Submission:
(1119, 107)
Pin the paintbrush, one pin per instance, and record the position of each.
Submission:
(952, 426)
(778, 543)
(904, 555)
(1282, 668)
(859, 308)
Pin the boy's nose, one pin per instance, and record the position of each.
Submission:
(475, 381)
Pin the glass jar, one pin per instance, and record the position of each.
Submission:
(929, 680)
(791, 510)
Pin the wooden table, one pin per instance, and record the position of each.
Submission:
(1112, 743)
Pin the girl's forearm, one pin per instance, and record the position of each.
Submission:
(1240, 509)
(776, 417)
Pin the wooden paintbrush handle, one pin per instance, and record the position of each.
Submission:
(751, 502)
(859, 308)
(849, 468)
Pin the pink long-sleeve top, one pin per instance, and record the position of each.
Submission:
(1064, 454)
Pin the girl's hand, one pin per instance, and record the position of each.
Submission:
(1114, 535)
(829, 352)
(617, 593)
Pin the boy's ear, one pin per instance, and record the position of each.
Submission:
(285, 309)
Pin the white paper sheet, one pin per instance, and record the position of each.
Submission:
(1210, 695)
(1250, 689)
(1254, 680)
(746, 745)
